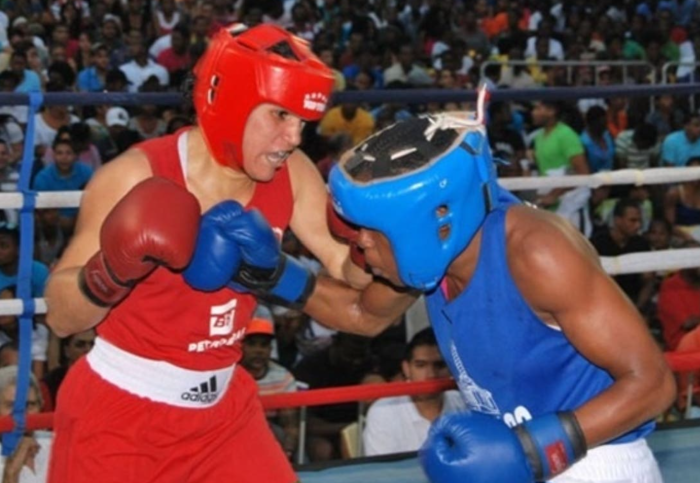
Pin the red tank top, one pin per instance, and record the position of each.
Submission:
(163, 318)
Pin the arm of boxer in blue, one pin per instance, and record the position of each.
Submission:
(478, 448)
(238, 248)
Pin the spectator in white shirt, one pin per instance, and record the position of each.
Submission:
(141, 67)
(400, 424)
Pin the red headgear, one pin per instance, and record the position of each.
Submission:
(243, 68)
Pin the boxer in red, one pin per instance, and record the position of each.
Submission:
(160, 397)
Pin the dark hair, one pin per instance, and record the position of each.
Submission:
(58, 141)
(663, 222)
(64, 70)
(10, 230)
(622, 205)
(645, 135)
(422, 338)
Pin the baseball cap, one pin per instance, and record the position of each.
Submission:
(117, 116)
(259, 325)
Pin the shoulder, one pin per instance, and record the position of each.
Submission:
(40, 269)
(388, 405)
(541, 242)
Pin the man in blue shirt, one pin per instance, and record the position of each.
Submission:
(65, 174)
(680, 146)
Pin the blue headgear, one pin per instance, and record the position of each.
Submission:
(429, 214)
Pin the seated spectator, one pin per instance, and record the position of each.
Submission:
(49, 120)
(73, 348)
(146, 121)
(9, 354)
(65, 174)
(177, 56)
(597, 141)
(558, 151)
(272, 378)
(347, 118)
(93, 78)
(666, 117)
(9, 329)
(405, 69)
(638, 148)
(678, 308)
(400, 424)
(30, 460)
(680, 146)
(28, 80)
(344, 363)
(49, 239)
(621, 238)
(690, 342)
(141, 67)
(117, 120)
(682, 207)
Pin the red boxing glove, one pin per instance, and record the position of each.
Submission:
(156, 223)
(344, 231)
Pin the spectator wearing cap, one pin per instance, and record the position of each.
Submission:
(111, 36)
(271, 378)
(117, 120)
(93, 78)
(139, 69)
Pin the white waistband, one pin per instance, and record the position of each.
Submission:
(158, 380)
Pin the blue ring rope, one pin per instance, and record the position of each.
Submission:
(24, 281)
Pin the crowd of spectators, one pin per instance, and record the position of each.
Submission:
(151, 46)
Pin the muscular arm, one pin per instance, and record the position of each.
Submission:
(68, 309)
(367, 312)
(309, 222)
(572, 291)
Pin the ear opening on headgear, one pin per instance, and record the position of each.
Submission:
(444, 228)
(213, 84)
(283, 49)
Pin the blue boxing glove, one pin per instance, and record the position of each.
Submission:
(265, 270)
(477, 448)
(216, 256)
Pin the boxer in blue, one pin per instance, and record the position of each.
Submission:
(560, 373)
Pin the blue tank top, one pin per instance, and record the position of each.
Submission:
(687, 215)
(506, 361)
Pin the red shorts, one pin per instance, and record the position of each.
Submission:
(106, 434)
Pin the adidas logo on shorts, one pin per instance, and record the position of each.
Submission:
(205, 393)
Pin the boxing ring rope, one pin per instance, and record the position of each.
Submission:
(27, 201)
(680, 362)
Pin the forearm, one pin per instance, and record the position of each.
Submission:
(355, 276)
(320, 427)
(629, 402)
(69, 311)
(367, 312)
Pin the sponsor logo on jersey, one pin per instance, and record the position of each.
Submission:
(221, 318)
(207, 392)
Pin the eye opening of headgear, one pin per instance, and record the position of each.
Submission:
(285, 50)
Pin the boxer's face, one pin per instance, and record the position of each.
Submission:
(380, 256)
(270, 136)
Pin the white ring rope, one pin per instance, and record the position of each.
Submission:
(71, 199)
(621, 176)
(664, 260)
